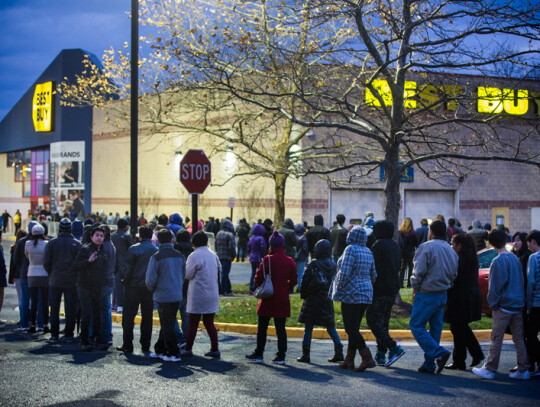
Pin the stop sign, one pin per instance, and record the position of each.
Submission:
(195, 171)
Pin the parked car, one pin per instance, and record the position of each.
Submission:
(485, 258)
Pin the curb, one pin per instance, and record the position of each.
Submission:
(319, 333)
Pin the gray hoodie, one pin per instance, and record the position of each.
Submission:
(506, 283)
(435, 267)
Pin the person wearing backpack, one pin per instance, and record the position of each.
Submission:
(257, 250)
(317, 308)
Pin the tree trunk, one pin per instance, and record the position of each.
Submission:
(391, 189)
(280, 181)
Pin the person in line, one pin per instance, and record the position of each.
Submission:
(226, 250)
(338, 238)
(137, 294)
(533, 300)
(422, 232)
(17, 219)
(108, 287)
(284, 277)
(257, 249)
(242, 233)
(353, 286)
(301, 254)
(268, 230)
(38, 279)
(60, 254)
(165, 278)
(408, 242)
(91, 265)
(316, 233)
(5, 220)
(3, 277)
(14, 271)
(317, 308)
(464, 304)
(387, 257)
(478, 234)
(202, 272)
(435, 268)
(291, 241)
(506, 298)
(184, 246)
(122, 241)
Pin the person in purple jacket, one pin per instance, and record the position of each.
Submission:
(257, 249)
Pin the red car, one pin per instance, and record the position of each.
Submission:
(485, 257)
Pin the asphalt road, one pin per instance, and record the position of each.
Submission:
(33, 373)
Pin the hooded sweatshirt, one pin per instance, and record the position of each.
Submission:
(175, 223)
(316, 233)
(478, 234)
(387, 256)
(291, 241)
(257, 245)
(225, 242)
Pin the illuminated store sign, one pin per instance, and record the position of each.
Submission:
(42, 107)
(490, 100)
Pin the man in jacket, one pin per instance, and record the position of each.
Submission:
(165, 278)
(478, 234)
(108, 286)
(226, 251)
(435, 268)
(58, 261)
(533, 299)
(175, 224)
(422, 232)
(506, 298)
(387, 256)
(316, 233)
(291, 241)
(338, 238)
(136, 292)
(122, 242)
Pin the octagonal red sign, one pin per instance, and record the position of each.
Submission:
(195, 171)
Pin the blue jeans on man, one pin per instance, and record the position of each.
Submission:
(225, 281)
(106, 317)
(428, 308)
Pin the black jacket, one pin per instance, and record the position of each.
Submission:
(91, 275)
(316, 233)
(318, 308)
(58, 259)
(291, 241)
(387, 256)
(20, 259)
(137, 262)
(122, 241)
(338, 238)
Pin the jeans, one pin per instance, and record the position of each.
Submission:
(167, 342)
(24, 306)
(428, 308)
(331, 329)
(225, 271)
(70, 309)
(254, 268)
(182, 333)
(39, 299)
(352, 317)
(135, 296)
(281, 333)
(90, 301)
(300, 267)
(106, 318)
(378, 318)
(533, 327)
(406, 263)
(118, 293)
(208, 321)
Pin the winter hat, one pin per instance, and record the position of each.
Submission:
(122, 223)
(199, 239)
(38, 230)
(357, 235)
(31, 226)
(77, 228)
(276, 240)
(88, 221)
(65, 226)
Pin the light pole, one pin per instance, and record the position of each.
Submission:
(134, 113)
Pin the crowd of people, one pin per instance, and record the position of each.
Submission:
(362, 267)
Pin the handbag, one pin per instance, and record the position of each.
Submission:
(266, 289)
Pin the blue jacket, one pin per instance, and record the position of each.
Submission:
(165, 274)
(533, 281)
(175, 224)
(58, 260)
(506, 283)
(138, 258)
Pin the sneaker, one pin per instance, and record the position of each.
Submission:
(110, 342)
(255, 357)
(53, 340)
(21, 329)
(394, 354)
(155, 355)
(182, 345)
(125, 349)
(422, 369)
(172, 358)
(186, 353)
(279, 360)
(441, 361)
(46, 330)
(86, 347)
(68, 339)
(32, 330)
(41, 329)
(483, 373)
(380, 358)
(213, 354)
(520, 375)
(2, 321)
(102, 346)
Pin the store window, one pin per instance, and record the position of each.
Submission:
(32, 169)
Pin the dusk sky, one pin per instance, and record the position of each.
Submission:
(33, 32)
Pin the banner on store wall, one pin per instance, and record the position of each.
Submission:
(67, 178)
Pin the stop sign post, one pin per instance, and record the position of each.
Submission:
(195, 176)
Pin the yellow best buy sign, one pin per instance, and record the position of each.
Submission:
(42, 107)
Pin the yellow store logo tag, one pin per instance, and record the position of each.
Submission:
(42, 107)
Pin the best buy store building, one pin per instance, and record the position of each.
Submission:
(52, 156)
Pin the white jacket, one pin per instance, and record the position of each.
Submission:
(35, 256)
(202, 270)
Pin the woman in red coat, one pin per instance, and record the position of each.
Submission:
(278, 306)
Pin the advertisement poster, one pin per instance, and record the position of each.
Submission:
(67, 178)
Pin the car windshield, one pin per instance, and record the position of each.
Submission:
(485, 258)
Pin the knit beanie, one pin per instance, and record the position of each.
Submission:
(122, 223)
(199, 239)
(88, 221)
(38, 230)
(276, 240)
(65, 226)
